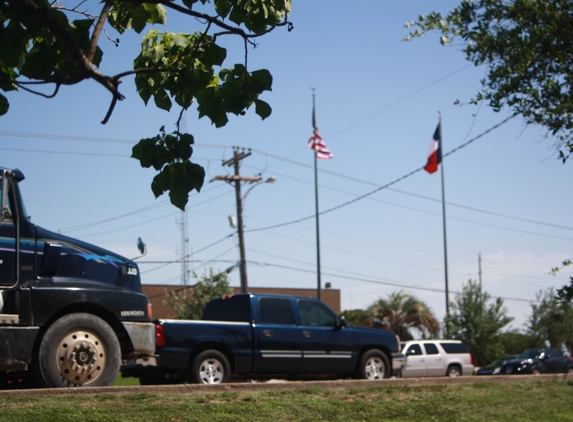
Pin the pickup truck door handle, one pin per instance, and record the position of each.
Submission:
(268, 333)
(307, 334)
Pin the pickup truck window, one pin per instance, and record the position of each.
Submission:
(316, 314)
(276, 311)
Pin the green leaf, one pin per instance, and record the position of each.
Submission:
(262, 109)
(4, 105)
(181, 40)
(162, 100)
(179, 198)
(143, 84)
(155, 13)
(214, 55)
(262, 80)
(159, 52)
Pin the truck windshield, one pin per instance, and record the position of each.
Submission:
(1, 195)
(23, 205)
(9, 200)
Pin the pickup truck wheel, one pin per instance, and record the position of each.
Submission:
(210, 367)
(78, 350)
(374, 365)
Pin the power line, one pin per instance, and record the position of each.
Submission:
(385, 283)
(185, 257)
(143, 222)
(386, 185)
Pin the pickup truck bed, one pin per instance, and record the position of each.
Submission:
(259, 336)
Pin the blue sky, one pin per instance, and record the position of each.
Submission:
(378, 101)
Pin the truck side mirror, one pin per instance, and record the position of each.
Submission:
(341, 322)
(141, 246)
(123, 271)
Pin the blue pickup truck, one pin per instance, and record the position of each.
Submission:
(261, 336)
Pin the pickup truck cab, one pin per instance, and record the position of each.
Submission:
(261, 336)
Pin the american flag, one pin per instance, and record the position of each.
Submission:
(316, 143)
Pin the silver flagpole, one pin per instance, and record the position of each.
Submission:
(318, 282)
(441, 161)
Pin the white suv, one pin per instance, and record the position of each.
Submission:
(436, 358)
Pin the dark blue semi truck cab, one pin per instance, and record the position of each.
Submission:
(260, 336)
(70, 312)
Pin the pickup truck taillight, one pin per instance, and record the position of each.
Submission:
(159, 336)
(471, 359)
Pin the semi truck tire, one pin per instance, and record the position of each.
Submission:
(78, 350)
(374, 365)
(210, 367)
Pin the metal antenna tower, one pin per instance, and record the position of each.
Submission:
(182, 222)
(183, 251)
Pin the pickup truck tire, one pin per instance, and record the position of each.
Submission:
(210, 367)
(374, 365)
(78, 350)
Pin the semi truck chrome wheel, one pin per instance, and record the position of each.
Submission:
(78, 350)
(81, 357)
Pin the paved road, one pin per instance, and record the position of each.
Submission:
(197, 389)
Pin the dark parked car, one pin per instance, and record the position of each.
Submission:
(495, 367)
(539, 361)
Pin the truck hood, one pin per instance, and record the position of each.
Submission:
(84, 248)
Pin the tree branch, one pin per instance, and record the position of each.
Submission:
(41, 94)
(97, 30)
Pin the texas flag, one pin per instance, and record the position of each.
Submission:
(435, 153)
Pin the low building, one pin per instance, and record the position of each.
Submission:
(157, 295)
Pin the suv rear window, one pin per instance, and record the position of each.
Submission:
(455, 347)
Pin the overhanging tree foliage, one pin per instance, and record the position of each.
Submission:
(57, 44)
(527, 46)
(477, 321)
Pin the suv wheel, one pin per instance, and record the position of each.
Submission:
(454, 372)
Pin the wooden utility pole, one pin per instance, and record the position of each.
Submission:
(236, 180)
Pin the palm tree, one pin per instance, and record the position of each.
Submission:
(400, 312)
